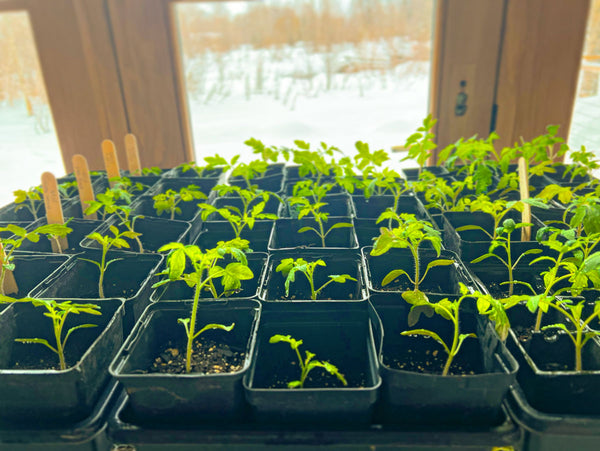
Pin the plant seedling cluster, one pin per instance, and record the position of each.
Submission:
(19, 235)
(410, 233)
(308, 363)
(204, 270)
(58, 313)
(289, 267)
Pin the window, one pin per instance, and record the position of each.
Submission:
(28, 145)
(333, 71)
(586, 115)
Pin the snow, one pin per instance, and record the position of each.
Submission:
(25, 152)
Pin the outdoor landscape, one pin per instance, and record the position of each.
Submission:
(333, 71)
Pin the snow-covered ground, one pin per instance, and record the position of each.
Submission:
(24, 152)
(382, 115)
(381, 109)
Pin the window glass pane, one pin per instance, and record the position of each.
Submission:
(586, 115)
(331, 70)
(28, 143)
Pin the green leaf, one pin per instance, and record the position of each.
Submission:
(393, 275)
(415, 297)
(415, 313)
(339, 225)
(341, 278)
(294, 384)
(215, 326)
(38, 341)
(440, 262)
(427, 333)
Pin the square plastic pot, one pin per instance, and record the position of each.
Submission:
(190, 213)
(181, 398)
(50, 396)
(373, 206)
(70, 208)
(89, 434)
(179, 290)
(31, 270)
(155, 232)
(427, 397)
(285, 236)
(130, 278)
(212, 176)
(470, 244)
(336, 205)
(413, 173)
(273, 287)
(272, 180)
(81, 228)
(546, 376)
(215, 231)
(339, 334)
(440, 279)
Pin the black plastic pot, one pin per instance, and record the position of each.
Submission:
(81, 228)
(559, 177)
(373, 206)
(336, 205)
(272, 206)
(440, 279)
(470, 244)
(491, 275)
(429, 398)
(215, 231)
(190, 213)
(292, 174)
(273, 287)
(288, 186)
(551, 431)
(285, 236)
(71, 209)
(214, 175)
(31, 269)
(546, 375)
(204, 184)
(339, 333)
(413, 173)
(181, 398)
(179, 290)
(129, 278)
(271, 180)
(87, 435)
(50, 396)
(156, 232)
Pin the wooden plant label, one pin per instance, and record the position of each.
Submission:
(133, 155)
(10, 284)
(109, 152)
(524, 188)
(84, 184)
(54, 213)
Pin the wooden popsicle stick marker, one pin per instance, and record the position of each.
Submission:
(84, 184)
(524, 189)
(111, 163)
(54, 213)
(9, 284)
(133, 155)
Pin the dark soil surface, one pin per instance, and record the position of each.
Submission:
(36, 363)
(317, 378)
(208, 357)
(403, 284)
(431, 363)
